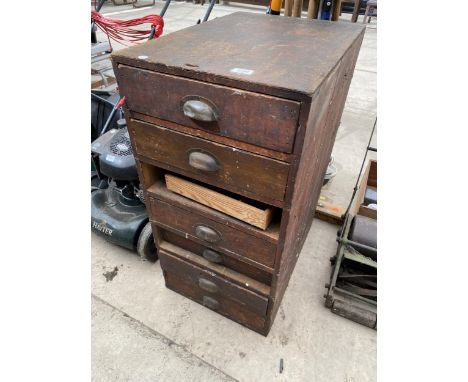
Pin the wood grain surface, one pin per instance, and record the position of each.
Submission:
(268, 48)
(322, 126)
(230, 308)
(233, 207)
(234, 263)
(254, 176)
(221, 270)
(224, 289)
(284, 157)
(231, 240)
(158, 190)
(254, 118)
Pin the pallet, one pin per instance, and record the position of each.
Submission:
(329, 212)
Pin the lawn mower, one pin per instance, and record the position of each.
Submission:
(352, 290)
(118, 211)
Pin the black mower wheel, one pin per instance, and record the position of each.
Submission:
(145, 246)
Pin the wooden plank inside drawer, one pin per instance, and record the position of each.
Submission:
(217, 235)
(254, 118)
(158, 190)
(209, 284)
(254, 176)
(247, 212)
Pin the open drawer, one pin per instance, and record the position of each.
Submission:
(254, 176)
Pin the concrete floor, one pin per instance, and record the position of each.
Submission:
(142, 331)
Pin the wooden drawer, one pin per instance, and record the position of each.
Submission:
(254, 176)
(254, 118)
(215, 257)
(212, 233)
(214, 292)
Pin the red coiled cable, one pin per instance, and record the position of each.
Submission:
(122, 32)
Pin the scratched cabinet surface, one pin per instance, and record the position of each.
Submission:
(247, 107)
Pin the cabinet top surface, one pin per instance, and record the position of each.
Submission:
(279, 52)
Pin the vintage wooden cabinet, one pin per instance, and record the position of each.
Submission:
(246, 106)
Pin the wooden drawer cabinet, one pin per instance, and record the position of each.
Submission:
(251, 116)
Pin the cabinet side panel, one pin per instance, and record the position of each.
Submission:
(324, 118)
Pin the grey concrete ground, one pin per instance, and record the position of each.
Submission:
(119, 339)
(142, 331)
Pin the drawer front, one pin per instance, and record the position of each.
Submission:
(248, 174)
(216, 257)
(211, 233)
(214, 292)
(258, 119)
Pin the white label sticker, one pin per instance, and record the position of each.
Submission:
(110, 158)
(248, 72)
(142, 57)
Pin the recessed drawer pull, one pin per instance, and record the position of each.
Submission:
(206, 233)
(207, 285)
(199, 109)
(210, 302)
(212, 256)
(203, 161)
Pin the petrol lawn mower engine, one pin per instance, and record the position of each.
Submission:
(118, 211)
